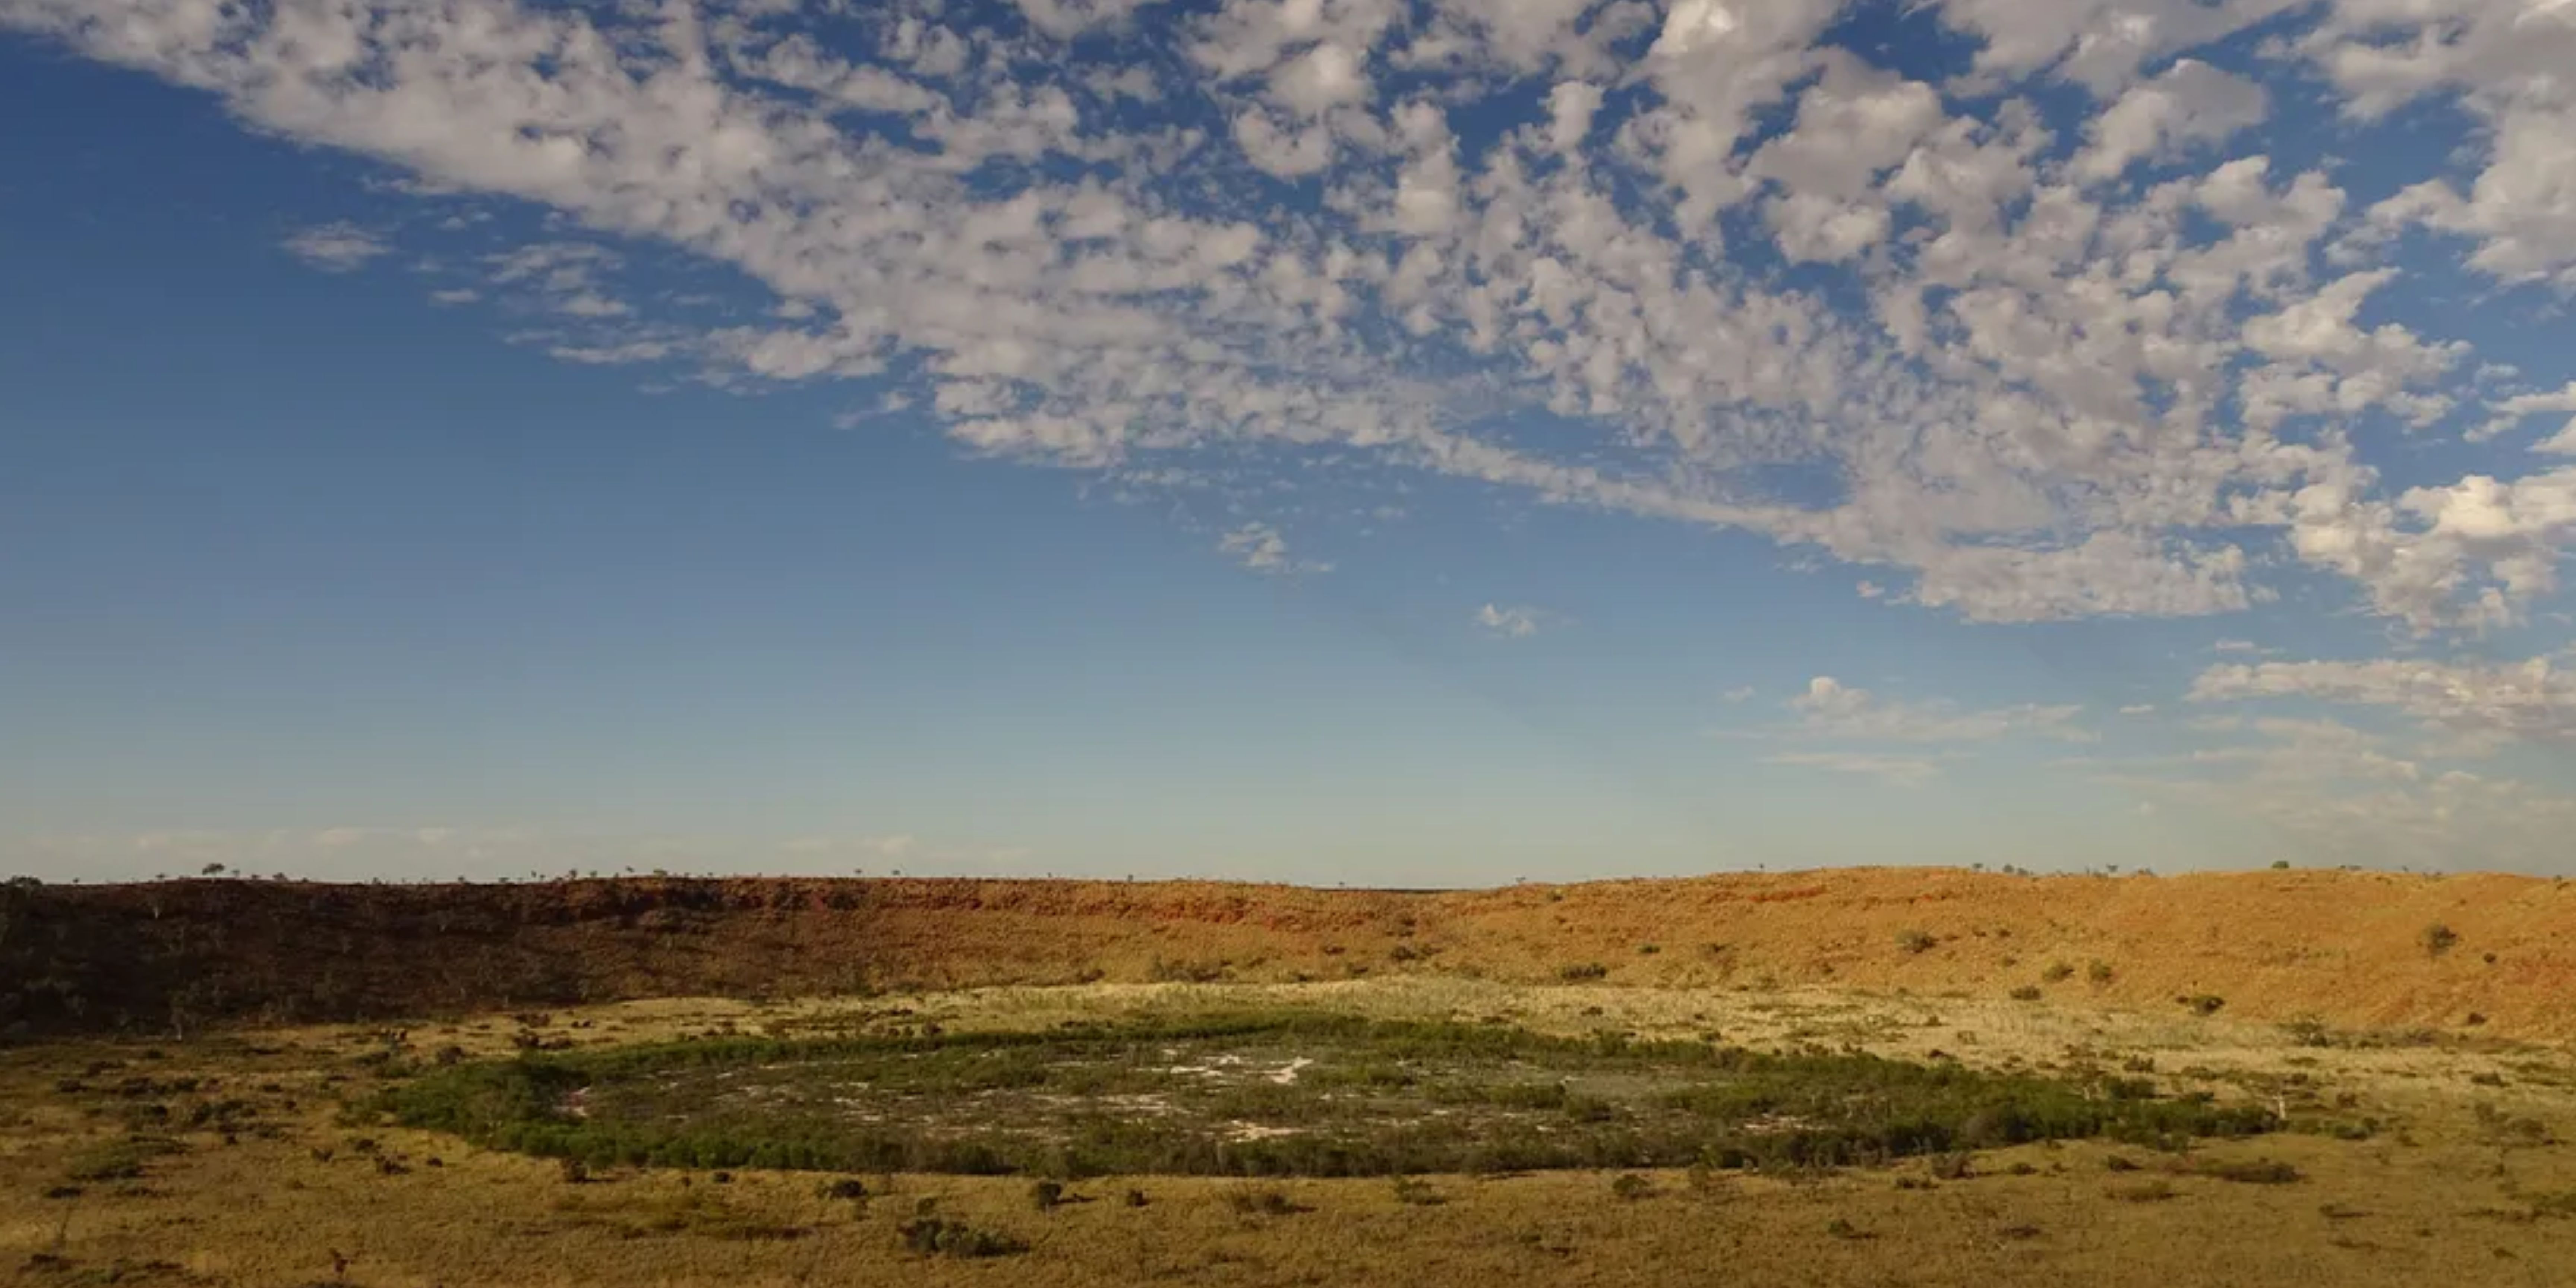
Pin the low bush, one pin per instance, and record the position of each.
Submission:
(2248, 1171)
(1262, 1200)
(1355, 1113)
(120, 1161)
(936, 1237)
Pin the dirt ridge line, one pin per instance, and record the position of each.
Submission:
(2348, 948)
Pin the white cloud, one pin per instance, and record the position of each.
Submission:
(1282, 150)
(1570, 107)
(2478, 551)
(2531, 701)
(1832, 709)
(2506, 413)
(1903, 771)
(1514, 622)
(1259, 547)
(1068, 18)
(2111, 362)
(2505, 61)
(2096, 43)
(336, 248)
(2340, 794)
(1322, 78)
(2110, 574)
(2192, 102)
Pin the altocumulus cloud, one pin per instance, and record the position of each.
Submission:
(2089, 360)
(2066, 313)
(335, 248)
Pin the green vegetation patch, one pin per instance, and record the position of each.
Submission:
(1269, 1094)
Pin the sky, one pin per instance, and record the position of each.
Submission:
(1354, 442)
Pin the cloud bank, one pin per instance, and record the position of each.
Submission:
(2109, 359)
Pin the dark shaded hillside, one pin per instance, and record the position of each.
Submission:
(175, 954)
(2355, 949)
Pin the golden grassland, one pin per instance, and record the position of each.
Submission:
(2463, 1182)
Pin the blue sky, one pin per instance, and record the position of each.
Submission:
(1350, 441)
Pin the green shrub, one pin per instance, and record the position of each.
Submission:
(2439, 939)
(2026, 993)
(1413, 1191)
(2057, 972)
(121, 1161)
(1630, 1187)
(934, 1237)
(2249, 1171)
(2098, 971)
(1580, 971)
(1262, 1200)
(1916, 941)
(1688, 1102)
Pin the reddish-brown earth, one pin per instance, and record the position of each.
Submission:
(2347, 948)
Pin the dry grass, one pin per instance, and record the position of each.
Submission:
(2447, 1189)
